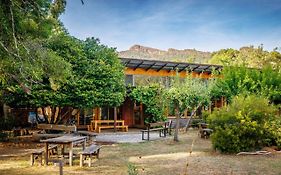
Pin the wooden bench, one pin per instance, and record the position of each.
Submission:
(53, 149)
(89, 152)
(68, 129)
(161, 127)
(123, 127)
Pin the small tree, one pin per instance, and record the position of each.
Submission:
(152, 97)
(189, 95)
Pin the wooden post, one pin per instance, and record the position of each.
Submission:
(60, 165)
(78, 118)
(70, 153)
(115, 118)
(81, 160)
(46, 153)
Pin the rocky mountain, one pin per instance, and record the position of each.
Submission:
(186, 55)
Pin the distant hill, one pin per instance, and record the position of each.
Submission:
(186, 55)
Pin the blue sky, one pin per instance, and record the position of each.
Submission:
(206, 25)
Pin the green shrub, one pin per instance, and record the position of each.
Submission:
(151, 97)
(248, 123)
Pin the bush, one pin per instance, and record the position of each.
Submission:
(247, 124)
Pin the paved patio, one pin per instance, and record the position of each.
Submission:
(126, 137)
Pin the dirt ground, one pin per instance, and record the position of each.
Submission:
(154, 157)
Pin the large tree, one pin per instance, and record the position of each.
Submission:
(43, 66)
(96, 80)
(98, 77)
(24, 27)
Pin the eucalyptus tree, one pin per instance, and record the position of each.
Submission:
(41, 65)
(24, 27)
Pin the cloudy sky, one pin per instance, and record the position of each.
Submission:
(206, 25)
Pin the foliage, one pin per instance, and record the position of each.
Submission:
(247, 56)
(189, 94)
(43, 66)
(236, 80)
(97, 77)
(24, 26)
(244, 125)
(132, 169)
(151, 97)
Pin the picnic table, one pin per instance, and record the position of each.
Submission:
(97, 125)
(67, 140)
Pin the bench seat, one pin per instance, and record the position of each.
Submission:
(162, 127)
(53, 148)
(123, 127)
(89, 152)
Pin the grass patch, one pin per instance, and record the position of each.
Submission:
(152, 157)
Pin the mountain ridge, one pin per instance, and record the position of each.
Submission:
(185, 55)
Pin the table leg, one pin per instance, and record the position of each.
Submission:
(46, 153)
(62, 150)
(70, 153)
(84, 144)
(96, 126)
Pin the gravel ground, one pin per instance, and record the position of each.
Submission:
(130, 137)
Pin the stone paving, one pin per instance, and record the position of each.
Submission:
(129, 137)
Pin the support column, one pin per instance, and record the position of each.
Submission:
(115, 118)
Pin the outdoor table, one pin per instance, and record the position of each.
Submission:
(64, 140)
(95, 123)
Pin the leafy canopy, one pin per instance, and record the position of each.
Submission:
(152, 97)
(188, 94)
(24, 27)
(238, 80)
(247, 56)
(96, 79)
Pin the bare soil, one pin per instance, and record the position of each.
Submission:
(153, 157)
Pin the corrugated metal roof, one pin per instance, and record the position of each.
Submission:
(168, 65)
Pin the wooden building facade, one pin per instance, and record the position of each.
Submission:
(133, 113)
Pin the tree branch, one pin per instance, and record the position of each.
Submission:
(13, 28)
(6, 49)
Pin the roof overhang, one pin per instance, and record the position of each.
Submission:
(167, 68)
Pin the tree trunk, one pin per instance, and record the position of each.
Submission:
(192, 114)
(177, 123)
(53, 114)
(44, 114)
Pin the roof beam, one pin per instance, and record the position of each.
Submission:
(138, 65)
(162, 67)
(150, 66)
(174, 67)
(184, 68)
